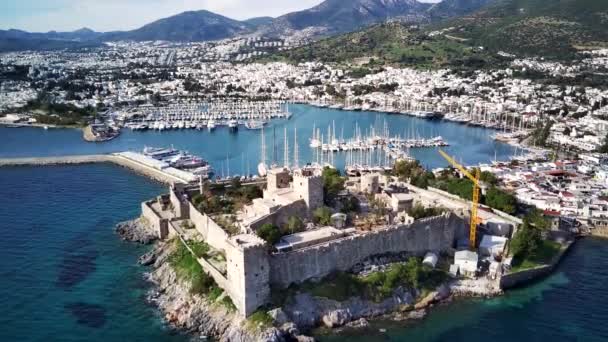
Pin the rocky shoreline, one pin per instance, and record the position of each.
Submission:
(137, 230)
(203, 318)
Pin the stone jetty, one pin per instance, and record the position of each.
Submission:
(115, 158)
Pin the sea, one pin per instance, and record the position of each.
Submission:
(239, 153)
(66, 276)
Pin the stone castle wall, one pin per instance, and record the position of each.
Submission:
(282, 215)
(212, 233)
(160, 225)
(432, 234)
(248, 276)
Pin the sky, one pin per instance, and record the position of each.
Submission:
(113, 15)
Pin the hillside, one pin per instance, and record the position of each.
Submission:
(554, 28)
(455, 8)
(338, 16)
(389, 43)
(188, 26)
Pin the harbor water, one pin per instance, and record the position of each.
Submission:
(233, 153)
(65, 275)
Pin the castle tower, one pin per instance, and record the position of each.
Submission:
(308, 185)
(248, 277)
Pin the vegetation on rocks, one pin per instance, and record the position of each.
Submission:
(260, 320)
(379, 285)
(188, 269)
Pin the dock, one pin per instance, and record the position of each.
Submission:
(124, 159)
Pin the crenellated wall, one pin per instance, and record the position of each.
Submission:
(431, 234)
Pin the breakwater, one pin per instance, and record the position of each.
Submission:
(116, 158)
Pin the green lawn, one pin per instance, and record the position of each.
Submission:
(543, 255)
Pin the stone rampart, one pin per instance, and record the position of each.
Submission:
(281, 216)
(160, 225)
(431, 234)
(211, 232)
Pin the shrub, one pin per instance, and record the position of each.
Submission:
(322, 216)
(351, 204)
(295, 225)
(333, 184)
(270, 233)
(260, 319)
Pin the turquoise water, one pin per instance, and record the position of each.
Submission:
(64, 274)
(235, 151)
(570, 305)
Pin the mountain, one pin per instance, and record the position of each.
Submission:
(337, 16)
(259, 21)
(82, 34)
(455, 8)
(192, 26)
(17, 40)
(392, 43)
(553, 28)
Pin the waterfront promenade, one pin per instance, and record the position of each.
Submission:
(116, 158)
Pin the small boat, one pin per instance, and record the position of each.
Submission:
(254, 124)
(211, 124)
(233, 125)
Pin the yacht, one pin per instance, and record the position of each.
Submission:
(254, 124)
(233, 125)
(211, 124)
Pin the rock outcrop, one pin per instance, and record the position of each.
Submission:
(194, 314)
(137, 230)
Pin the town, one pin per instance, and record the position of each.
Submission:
(384, 229)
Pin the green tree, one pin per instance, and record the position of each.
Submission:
(295, 225)
(351, 204)
(322, 216)
(501, 200)
(270, 233)
(488, 178)
(333, 184)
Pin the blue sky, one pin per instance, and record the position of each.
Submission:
(109, 15)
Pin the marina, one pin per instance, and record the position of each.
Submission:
(203, 115)
(474, 144)
(494, 116)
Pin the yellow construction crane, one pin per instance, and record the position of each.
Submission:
(475, 180)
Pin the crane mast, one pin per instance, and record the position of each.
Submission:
(475, 205)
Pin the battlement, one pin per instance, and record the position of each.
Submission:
(246, 241)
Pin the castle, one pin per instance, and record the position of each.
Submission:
(252, 267)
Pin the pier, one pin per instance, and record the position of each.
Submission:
(124, 159)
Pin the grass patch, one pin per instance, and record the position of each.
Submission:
(200, 248)
(260, 320)
(188, 269)
(379, 285)
(543, 255)
(227, 302)
(215, 293)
